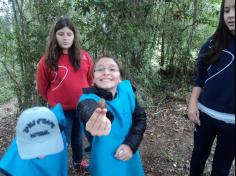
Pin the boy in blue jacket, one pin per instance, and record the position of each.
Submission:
(40, 147)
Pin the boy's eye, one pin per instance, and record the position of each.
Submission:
(111, 70)
(100, 70)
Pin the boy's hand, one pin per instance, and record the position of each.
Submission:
(124, 153)
(99, 124)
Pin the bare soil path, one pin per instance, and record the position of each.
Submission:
(166, 147)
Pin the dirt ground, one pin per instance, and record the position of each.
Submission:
(166, 147)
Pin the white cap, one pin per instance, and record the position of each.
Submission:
(38, 133)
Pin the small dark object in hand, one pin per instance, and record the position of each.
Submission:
(102, 103)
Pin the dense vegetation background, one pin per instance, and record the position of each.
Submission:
(156, 40)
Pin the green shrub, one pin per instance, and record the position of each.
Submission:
(5, 91)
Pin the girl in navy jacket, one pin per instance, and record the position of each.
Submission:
(212, 103)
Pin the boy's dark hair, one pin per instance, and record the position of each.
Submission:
(54, 51)
(220, 39)
(110, 56)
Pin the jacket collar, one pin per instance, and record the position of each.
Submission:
(99, 92)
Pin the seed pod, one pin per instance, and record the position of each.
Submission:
(102, 103)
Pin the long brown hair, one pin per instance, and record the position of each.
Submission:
(220, 39)
(54, 51)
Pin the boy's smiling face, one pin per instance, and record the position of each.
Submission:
(107, 75)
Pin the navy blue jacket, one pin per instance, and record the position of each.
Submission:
(217, 80)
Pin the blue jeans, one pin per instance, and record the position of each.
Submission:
(204, 136)
(73, 132)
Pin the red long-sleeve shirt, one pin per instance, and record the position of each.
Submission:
(64, 85)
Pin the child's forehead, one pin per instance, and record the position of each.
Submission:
(106, 61)
(229, 3)
(64, 29)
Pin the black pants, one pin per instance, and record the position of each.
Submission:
(74, 135)
(204, 136)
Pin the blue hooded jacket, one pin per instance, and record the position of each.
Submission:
(52, 165)
(102, 159)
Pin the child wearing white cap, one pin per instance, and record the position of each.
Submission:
(40, 147)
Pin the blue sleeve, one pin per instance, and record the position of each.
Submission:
(201, 70)
(56, 164)
(9, 159)
(58, 111)
(13, 164)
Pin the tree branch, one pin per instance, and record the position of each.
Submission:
(10, 74)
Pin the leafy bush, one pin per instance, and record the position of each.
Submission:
(6, 92)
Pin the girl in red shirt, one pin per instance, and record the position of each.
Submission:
(62, 72)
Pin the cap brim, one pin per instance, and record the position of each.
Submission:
(49, 147)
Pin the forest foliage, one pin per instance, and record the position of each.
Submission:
(157, 41)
